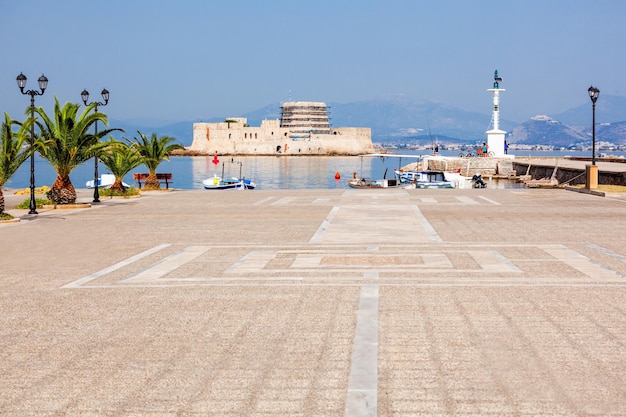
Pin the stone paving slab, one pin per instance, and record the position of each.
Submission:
(317, 303)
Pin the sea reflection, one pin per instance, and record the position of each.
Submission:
(280, 172)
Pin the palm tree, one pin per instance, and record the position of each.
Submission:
(14, 150)
(67, 144)
(153, 152)
(120, 158)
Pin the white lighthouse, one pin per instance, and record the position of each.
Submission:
(495, 136)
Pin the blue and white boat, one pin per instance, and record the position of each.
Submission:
(233, 183)
(424, 179)
(218, 183)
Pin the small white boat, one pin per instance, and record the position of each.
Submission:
(105, 181)
(217, 183)
(424, 179)
(397, 182)
(233, 183)
(384, 183)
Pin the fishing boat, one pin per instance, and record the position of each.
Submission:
(218, 183)
(232, 183)
(383, 183)
(105, 181)
(424, 179)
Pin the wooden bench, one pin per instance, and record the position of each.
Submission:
(166, 178)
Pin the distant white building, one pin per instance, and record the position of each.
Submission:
(544, 118)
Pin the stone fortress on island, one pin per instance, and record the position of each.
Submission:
(303, 129)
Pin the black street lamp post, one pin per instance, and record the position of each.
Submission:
(591, 171)
(43, 84)
(105, 97)
(594, 93)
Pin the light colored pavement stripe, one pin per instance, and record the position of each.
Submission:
(102, 272)
(580, 262)
(252, 262)
(467, 200)
(436, 260)
(321, 201)
(428, 200)
(428, 228)
(265, 200)
(317, 237)
(607, 252)
(489, 200)
(363, 384)
(371, 274)
(493, 261)
(302, 282)
(306, 261)
(169, 264)
(283, 201)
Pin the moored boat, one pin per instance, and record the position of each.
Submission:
(105, 181)
(217, 183)
(232, 183)
(424, 179)
(384, 183)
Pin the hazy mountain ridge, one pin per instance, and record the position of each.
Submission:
(609, 109)
(547, 131)
(401, 119)
(574, 126)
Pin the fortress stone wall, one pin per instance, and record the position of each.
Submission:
(234, 137)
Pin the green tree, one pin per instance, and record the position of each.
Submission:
(67, 142)
(15, 150)
(120, 158)
(153, 151)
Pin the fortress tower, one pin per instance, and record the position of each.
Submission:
(305, 118)
(495, 136)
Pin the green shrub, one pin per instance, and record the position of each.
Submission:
(131, 191)
(39, 202)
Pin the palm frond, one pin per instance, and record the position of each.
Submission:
(15, 147)
(155, 149)
(120, 157)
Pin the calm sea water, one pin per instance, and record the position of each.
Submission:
(268, 172)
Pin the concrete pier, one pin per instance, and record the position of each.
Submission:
(572, 171)
(316, 303)
(563, 170)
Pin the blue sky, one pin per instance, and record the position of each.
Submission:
(196, 59)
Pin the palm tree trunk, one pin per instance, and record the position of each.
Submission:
(62, 191)
(152, 182)
(118, 186)
(2, 207)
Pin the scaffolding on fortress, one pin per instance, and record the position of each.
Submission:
(303, 118)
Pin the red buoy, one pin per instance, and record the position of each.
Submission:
(337, 176)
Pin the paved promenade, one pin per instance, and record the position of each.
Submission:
(495, 302)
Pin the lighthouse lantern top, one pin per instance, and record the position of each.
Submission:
(496, 80)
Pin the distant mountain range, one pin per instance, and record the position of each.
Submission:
(403, 120)
(400, 119)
